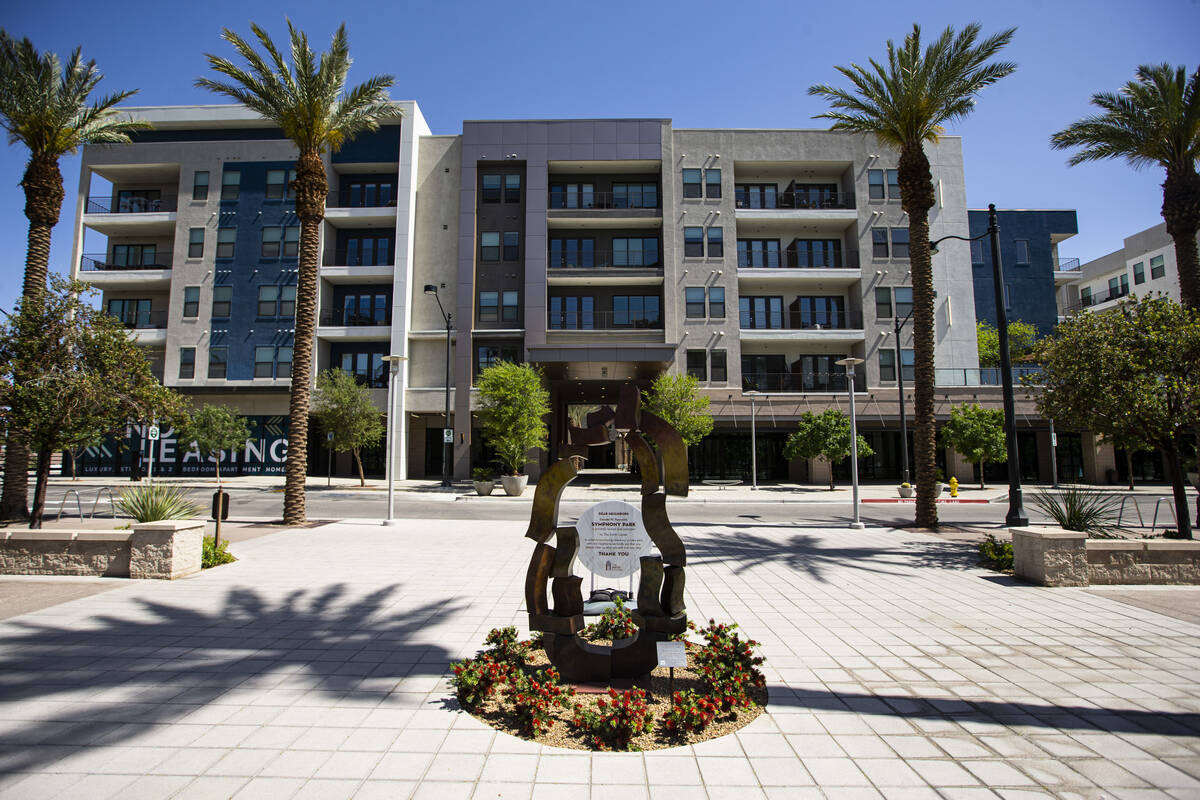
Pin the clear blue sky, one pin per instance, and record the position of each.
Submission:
(703, 64)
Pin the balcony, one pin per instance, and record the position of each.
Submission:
(359, 209)
(353, 319)
(1091, 301)
(796, 199)
(602, 321)
(100, 271)
(801, 382)
(108, 204)
(985, 377)
(121, 215)
(1066, 270)
(603, 209)
(795, 326)
(370, 196)
(341, 266)
(792, 268)
(600, 267)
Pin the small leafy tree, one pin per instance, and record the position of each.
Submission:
(677, 399)
(214, 429)
(1021, 338)
(512, 406)
(825, 435)
(978, 434)
(1131, 445)
(91, 377)
(76, 448)
(345, 409)
(1133, 372)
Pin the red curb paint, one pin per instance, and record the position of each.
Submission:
(913, 500)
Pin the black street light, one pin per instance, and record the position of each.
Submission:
(1016, 509)
(447, 432)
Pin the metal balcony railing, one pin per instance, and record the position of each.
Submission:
(353, 319)
(794, 260)
(589, 201)
(596, 259)
(804, 321)
(798, 199)
(1066, 264)
(375, 197)
(801, 382)
(602, 321)
(101, 261)
(143, 320)
(344, 258)
(1096, 300)
(108, 204)
(984, 377)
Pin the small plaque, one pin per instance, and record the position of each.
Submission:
(329, 437)
(671, 654)
(447, 435)
(612, 539)
(152, 434)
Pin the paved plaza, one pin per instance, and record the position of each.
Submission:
(316, 667)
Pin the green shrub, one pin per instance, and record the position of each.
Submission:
(615, 623)
(690, 711)
(727, 665)
(996, 553)
(1077, 509)
(616, 720)
(531, 698)
(157, 501)
(215, 556)
(483, 473)
(474, 679)
(505, 647)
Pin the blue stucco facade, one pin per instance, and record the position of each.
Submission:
(1028, 268)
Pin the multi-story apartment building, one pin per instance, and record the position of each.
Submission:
(603, 251)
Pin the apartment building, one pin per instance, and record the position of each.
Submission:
(603, 251)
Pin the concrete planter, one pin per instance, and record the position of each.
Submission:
(484, 488)
(514, 485)
(161, 550)
(1056, 557)
(906, 491)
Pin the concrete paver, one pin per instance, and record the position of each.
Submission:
(316, 666)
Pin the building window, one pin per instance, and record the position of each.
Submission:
(134, 255)
(697, 364)
(1139, 273)
(200, 185)
(1157, 268)
(694, 307)
(491, 189)
(908, 361)
(977, 251)
(222, 301)
(133, 313)
(366, 308)
(187, 362)
(691, 183)
(226, 239)
(509, 306)
(756, 195)
(693, 242)
(875, 190)
(712, 183)
(716, 302)
(904, 301)
(218, 359)
(283, 362)
(512, 188)
(231, 184)
(195, 242)
(716, 242)
(371, 193)
(268, 301)
(291, 241)
(264, 362)
(1022, 249)
(805, 253)
(368, 251)
(1085, 296)
(287, 301)
(719, 372)
(819, 311)
(760, 312)
(572, 195)
(512, 245)
(899, 242)
(635, 195)
(489, 306)
(893, 180)
(569, 253)
(271, 241)
(191, 301)
(883, 303)
(887, 364)
(279, 184)
(488, 355)
(489, 246)
(879, 243)
(758, 253)
(365, 365)
(635, 252)
(572, 313)
(636, 311)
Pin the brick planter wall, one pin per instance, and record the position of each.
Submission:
(163, 550)
(1055, 557)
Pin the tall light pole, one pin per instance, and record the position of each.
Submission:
(753, 395)
(393, 363)
(447, 432)
(1016, 516)
(850, 362)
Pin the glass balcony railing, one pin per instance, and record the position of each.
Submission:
(801, 382)
(802, 321)
(101, 261)
(599, 259)
(589, 200)
(141, 204)
(344, 317)
(601, 321)
(984, 376)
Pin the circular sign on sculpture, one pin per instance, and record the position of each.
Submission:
(612, 539)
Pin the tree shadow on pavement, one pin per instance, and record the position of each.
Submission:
(119, 677)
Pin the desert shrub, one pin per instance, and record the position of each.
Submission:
(532, 698)
(214, 555)
(690, 711)
(157, 501)
(997, 553)
(615, 721)
(506, 648)
(727, 665)
(475, 678)
(1075, 508)
(615, 623)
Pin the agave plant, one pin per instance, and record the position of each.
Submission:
(157, 501)
(1075, 508)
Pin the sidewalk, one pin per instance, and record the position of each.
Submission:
(896, 669)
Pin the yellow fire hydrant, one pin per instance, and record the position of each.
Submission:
(954, 487)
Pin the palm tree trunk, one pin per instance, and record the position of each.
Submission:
(311, 187)
(39, 494)
(43, 187)
(916, 191)
(1181, 210)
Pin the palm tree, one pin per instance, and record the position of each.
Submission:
(308, 100)
(904, 104)
(44, 105)
(1153, 120)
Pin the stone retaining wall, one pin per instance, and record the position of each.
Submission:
(165, 550)
(1056, 557)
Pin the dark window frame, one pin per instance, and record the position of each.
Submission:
(693, 305)
(1021, 259)
(876, 184)
(697, 364)
(191, 302)
(693, 189)
(187, 363)
(883, 302)
(712, 189)
(491, 194)
(231, 190)
(226, 249)
(718, 371)
(200, 188)
(510, 311)
(218, 362)
(489, 253)
(716, 302)
(489, 311)
(693, 241)
(715, 244)
(272, 241)
(268, 301)
(222, 308)
(1157, 270)
(511, 242)
(1139, 273)
(195, 248)
(879, 243)
(264, 369)
(900, 246)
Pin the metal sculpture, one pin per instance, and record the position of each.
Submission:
(660, 610)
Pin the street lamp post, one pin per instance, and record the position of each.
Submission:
(753, 395)
(1016, 516)
(393, 363)
(447, 432)
(850, 362)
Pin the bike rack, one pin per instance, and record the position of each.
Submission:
(112, 503)
(1136, 507)
(1170, 503)
(78, 503)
